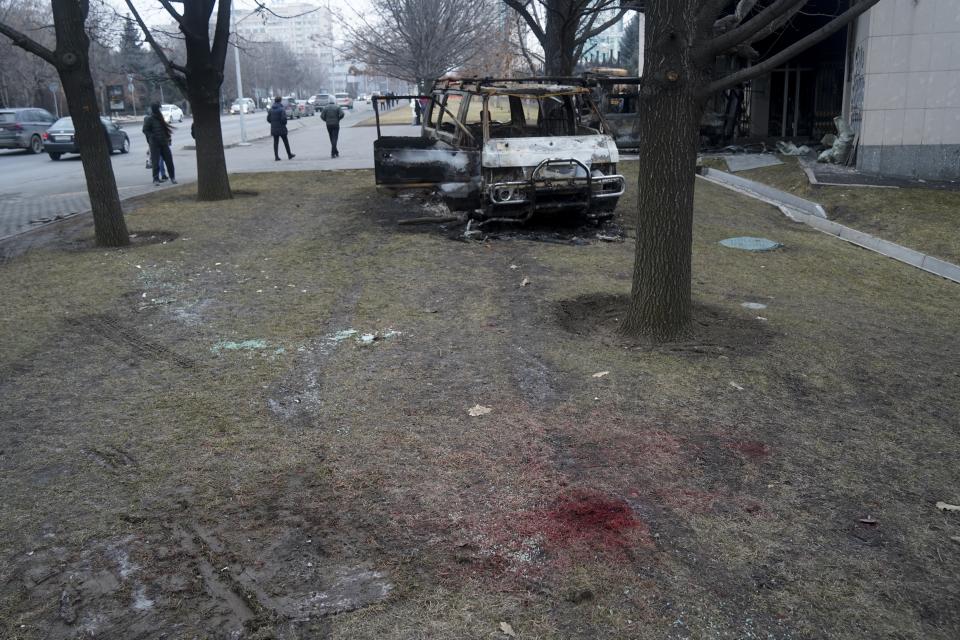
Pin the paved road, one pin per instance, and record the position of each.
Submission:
(35, 189)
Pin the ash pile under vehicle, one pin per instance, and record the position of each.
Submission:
(506, 149)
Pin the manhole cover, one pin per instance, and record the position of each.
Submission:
(751, 244)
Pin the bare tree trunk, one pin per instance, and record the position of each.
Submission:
(660, 304)
(212, 180)
(560, 40)
(71, 59)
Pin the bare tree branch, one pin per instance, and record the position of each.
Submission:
(603, 27)
(264, 9)
(801, 45)
(221, 34)
(419, 39)
(747, 30)
(171, 68)
(521, 8)
(28, 44)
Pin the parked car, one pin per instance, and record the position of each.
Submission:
(344, 101)
(23, 128)
(305, 108)
(171, 113)
(60, 138)
(290, 107)
(320, 100)
(247, 105)
(507, 150)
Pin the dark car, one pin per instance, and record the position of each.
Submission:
(23, 128)
(60, 138)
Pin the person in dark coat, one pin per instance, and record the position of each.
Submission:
(277, 117)
(159, 134)
(332, 115)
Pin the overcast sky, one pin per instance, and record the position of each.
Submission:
(154, 14)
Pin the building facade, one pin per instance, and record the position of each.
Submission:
(904, 94)
(894, 76)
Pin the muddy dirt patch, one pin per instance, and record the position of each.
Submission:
(714, 332)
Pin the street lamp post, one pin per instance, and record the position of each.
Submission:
(236, 59)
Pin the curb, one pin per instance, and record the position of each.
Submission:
(813, 215)
(763, 192)
(783, 200)
(231, 145)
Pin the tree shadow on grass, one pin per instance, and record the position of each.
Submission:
(715, 331)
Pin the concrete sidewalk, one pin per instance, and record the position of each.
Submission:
(21, 212)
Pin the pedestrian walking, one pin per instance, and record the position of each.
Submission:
(415, 106)
(159, 134)
(277, 117)
(332, 115)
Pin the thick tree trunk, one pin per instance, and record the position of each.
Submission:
(660, 302)
(73, 66)
(212, 180)
(560, 39)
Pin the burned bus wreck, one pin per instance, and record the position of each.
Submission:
(506, 150)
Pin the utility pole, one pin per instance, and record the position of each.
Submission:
(236, 59)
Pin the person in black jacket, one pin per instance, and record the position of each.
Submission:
(277, 117)
(159, 134)
(332, 115)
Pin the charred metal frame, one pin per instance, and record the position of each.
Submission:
(537, 192)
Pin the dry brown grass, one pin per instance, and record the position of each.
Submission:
(658, 501)
(922, 219)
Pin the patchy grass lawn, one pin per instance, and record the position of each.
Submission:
(398, 115)
(193, 444)
(922, 219)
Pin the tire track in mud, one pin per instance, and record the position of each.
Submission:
(112, 329)
(243, 607)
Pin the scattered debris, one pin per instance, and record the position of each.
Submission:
(753, 305)
(471, 234)
(841, 145)
(513, 266)
(429, 220)
(600, 374)
(943, 506)
(363, 338)
(603, 237)
(507, 629)
(736, 386)
(790, 149)
(525, 281)
(342, 335)
(747, 161)
(245, 345)
(751, 244)
(868, 520)
(479, 410)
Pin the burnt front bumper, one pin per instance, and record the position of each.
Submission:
(556, 185)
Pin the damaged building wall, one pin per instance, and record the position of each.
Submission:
(905, 89)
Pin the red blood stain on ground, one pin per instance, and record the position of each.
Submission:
(591, 519)
(750, 448)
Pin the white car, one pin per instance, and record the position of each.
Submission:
(171, 113)
(247, 104)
